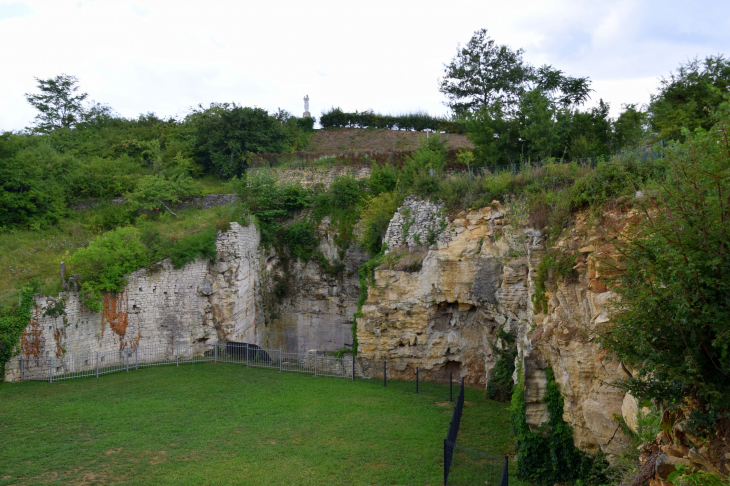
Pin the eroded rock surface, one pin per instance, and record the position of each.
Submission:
(445, 317)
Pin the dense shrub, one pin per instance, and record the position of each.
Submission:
(671, 322)
(336, 118)
(270, 203)
(189, 247)
(225, 134)
(300, 240)
(376, 217)
(105, 262)
(155, 191)
(548, 455)
(12, 324)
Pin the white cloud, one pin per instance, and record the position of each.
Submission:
(164, 56)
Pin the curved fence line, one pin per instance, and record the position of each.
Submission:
(70, 366)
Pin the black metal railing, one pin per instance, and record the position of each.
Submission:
(469, 465)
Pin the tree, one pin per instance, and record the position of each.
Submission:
(671, 326)
(58, 103)
(565, 91)
(226, 133)
(483, 73)
(689, 96)
(629, 129)
(496, 138)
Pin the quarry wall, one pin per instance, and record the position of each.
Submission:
(448, 285)
(201, 302)
(478, 277)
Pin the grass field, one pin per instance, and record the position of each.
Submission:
(221, 424)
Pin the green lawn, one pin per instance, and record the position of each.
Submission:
(227, 424)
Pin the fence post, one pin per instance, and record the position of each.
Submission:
(177, 355)
(280, 360)
(416, 380)
(22, 370)
(215, 352)
(246, 355)
(353, 366)
(136, 366)
(126, 354)
(97, 364)
(385, 375)
(315, 363)
(505, 473)
(50, 370)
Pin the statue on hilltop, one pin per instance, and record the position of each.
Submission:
(306, 107)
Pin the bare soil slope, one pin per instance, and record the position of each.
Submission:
(359, 140)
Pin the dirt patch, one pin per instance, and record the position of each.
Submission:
(113, 451)
(362, 140)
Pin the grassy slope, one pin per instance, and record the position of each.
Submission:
(227, 424)
(27, 254)
(355, 140)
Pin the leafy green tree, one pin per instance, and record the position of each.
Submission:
(672, 322)
(689, 96)
(58, 103)
(590, 133)
(630, 128)
(496, 137)
(562, 90)
(543, 126)
(224, 135)
(32, 177)
(157, 190)
(482, 73)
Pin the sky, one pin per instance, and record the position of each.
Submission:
(166, 56)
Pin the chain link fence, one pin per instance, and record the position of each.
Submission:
(68, 367)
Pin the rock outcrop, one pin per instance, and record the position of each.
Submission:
(445, 316)
(160, 305)
(316, 300)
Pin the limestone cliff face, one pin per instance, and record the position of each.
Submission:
(316, 308)
(445, 316)
(563, 338)
(160, 305)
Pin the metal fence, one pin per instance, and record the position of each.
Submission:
(463, 465)
(70, 366)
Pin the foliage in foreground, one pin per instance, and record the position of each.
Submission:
(12, 323)
(501, 384)
(672, 321)
(547, 455)
(105, 262)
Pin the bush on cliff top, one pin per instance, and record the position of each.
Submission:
(672, 321)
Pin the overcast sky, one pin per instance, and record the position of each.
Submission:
(165, 56)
